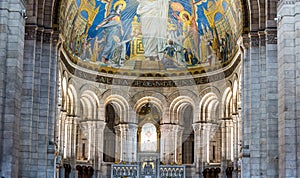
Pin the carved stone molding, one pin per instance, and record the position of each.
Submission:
(254, 39)
(284, 2)
(271, 36)
(262, 38)
(246, 40)
(55, 37)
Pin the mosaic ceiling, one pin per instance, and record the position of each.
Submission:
(151, 34)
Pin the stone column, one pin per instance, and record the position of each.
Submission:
(227, 144)
(131, 143)
(98, 127)
(36, 103)
(263, 103)
(74, 135)
(198, 147)
(245, 169)
(236, 132)
(255, 105)
(67, 138)
(288, 87)
(27, 100)
(272, 103)
(44, 109)
(11, 74)
(126, 142)
(118, 152)
(168, 143)
(70, 142)
(223, 148)
(179, 142)
(206, 140)
(61, 132)
(91, 130)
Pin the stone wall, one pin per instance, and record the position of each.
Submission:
(11, 74)
(288, 87)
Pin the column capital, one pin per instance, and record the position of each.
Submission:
(98, 124)
(126, 127)
(47, 36)
(63, 113)
(170, 127)
(271, 36)
(30, 32)
(39, 33)
(262, 38)
(254, 39)
(199, 126)
(246, 40)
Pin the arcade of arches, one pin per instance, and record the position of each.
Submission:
(153, 88)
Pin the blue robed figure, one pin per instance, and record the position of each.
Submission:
(112, 30)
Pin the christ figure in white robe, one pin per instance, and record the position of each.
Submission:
(154, 20)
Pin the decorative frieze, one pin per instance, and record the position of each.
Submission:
(149, 83)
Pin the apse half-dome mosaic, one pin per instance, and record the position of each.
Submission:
(151, 34)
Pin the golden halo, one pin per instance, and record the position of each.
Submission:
(185, 13)
(120, 2)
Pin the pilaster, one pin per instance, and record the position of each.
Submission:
(98, 127)
(227, 144)
(11, 76)
(179, 142)
(297, 76)
(288, 87)
(237, 137)
(27, 100)
(271, 103)
(199, 146)
(126, 142)
(263, 103)
(168, 143)
(245, 169)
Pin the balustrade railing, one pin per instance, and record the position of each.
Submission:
(132, 171)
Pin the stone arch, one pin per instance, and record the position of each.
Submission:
(189, 93)
(71, 103)
(64, 91)
(208, 108)
(254, 14)
(155, 98)
(262, 15)
(177, 106)
(89, 105)
(148, 99)
(155, 94)
(210, 89)
(246, 15)
(226, 103)
(47, 15)
(120, 106)
(235, 94)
